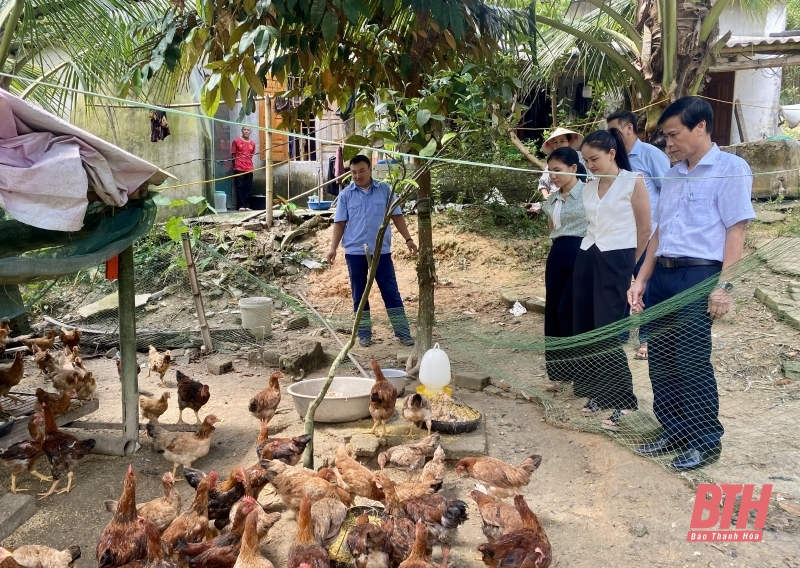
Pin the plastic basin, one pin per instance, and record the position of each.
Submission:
(352, 404)
(319, 205)
(395, 376)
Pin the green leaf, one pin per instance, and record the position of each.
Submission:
(175, 228)
(429, 150)
(195, 199)
(456, 21)
(209, 101)
(249, 235)
(317, 11)
(330, 26)
(447, 137)
(517, 82)
(508, 94)
(248, 38)
(228, 92)
(252, 79)
(178, 203)
(357, 142)
(423, 116)
(161, 200)
(351, 11)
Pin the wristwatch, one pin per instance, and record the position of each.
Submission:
(409, 239)
(727, 286)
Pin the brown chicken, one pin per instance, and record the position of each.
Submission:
(71, 354)
(265, 403)
(58, 403)
(418, 557)
(22, 456)
(501, 479)
(435, 469)
(118, 361)
(87, 386)
(69, 338)
(442, 516)
(65, 381)
(223, 496)
(162, 511)
(257, 479)
(43, 343)
(305, 549)
(250, 551)
(153, 408)
(498, 518)
(37, 556)
(183, 448)
(222, 551)
(293, 483)
(524, 548)
(10, 376)
(409, 456)
(192, 525)
(44, 360)
(63, 451)
(328, 514)
(357, 478)
(123, 540)
(287, 450)
(382, 399)
(160, 363)
(154, 557)
(369, 545)
(417, 411)
(191, 394)
(399, 529)
(264, 520)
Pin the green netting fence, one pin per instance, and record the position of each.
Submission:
(754, 406)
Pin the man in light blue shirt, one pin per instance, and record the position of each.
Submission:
(358, 217)
(652, 163)
(701, 218)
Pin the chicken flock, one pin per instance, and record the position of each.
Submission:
(224, 525)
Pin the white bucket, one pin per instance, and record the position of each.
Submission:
(257, 316)
(792, 114)
(220, 201)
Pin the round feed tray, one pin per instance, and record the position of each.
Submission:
(452, 416)
(338, 551)
(347, 398)
(395, 376)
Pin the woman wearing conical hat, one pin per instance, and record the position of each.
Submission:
(559, 138)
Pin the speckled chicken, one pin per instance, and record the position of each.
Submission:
(22, 456)
(368, 544)
(160, 363)
(183, 448)
(287, 450)
(409, 456)
(223, 496)
(63, 451)
(417, 411)
(382, 399)
(528, 547)
(435, 469)
(154, 557)
(328, 514)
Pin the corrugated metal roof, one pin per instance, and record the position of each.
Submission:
(748, 41)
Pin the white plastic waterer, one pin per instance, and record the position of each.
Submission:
(434, 370)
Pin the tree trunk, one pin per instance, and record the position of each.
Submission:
(426, 271)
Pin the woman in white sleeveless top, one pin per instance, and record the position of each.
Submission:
(618, 213)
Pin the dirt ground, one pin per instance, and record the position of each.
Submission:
(602, 506)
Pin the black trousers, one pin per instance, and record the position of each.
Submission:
(600, 287)
(244, 184)
(558, 305)
(685, 397)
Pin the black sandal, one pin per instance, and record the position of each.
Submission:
(591, 407)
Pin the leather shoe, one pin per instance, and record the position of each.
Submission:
(693, 459)
(658, 448)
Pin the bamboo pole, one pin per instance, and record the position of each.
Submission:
(268, 158)
(127, 347)
(198, 298)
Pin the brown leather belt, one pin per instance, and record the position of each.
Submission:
(686, 262)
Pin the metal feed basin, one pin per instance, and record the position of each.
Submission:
(395, 376)
(352, 402)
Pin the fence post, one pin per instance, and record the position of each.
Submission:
(127, 346)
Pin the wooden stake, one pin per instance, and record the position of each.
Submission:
(737, 112)
(127, 347)
(268, 157)
(198, 298)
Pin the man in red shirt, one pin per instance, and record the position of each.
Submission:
(243, 150)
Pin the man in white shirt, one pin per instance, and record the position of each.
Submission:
(652, 163)
(702, 214)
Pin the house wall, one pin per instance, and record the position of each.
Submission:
(758, 90)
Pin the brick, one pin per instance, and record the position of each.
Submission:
(471, 444)
(535, 304)
(509, 298)
(471, 381)
(15, 509)
(297, 322)
(219, 365)
(305, 354)
(365, 445)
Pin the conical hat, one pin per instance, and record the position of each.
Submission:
(575, 143)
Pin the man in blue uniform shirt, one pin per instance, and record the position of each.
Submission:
(358, 217)
(702, 215)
